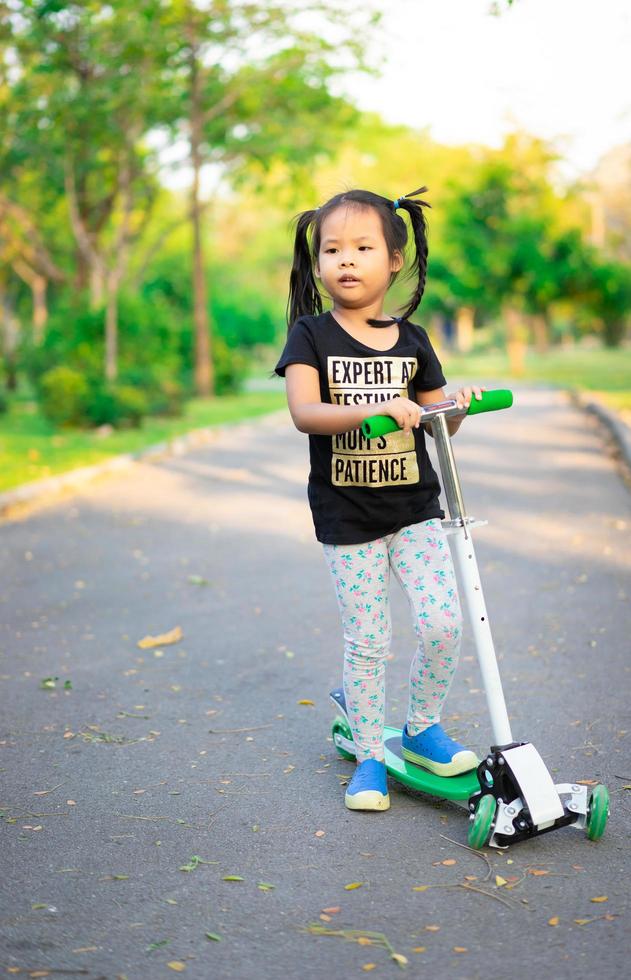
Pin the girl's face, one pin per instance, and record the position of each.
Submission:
(353, 262)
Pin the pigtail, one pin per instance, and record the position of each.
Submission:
(418, 269)
(304, 296)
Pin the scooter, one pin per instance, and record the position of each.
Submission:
(511, 795)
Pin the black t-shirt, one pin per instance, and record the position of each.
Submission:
(362, 489)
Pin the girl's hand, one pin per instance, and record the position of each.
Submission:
(463, 396)
(406, 413)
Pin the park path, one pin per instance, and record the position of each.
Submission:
(200, 755)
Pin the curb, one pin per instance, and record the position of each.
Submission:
(619, 430)
(20, 501)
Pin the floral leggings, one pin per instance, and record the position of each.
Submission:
(421, 560)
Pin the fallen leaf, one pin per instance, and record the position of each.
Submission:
(600, 898)
(460, 949)
(333, 910)
(420, 949)
(587, 782)
(420, 888)
(537, 872)
(173, 636)
(368, 966)
(232, 878)
(399, 958)
(554, 921)
(499, 881)
(432, 928)
(582, 922)
(325, 918)
(319, 833)
(470, 877)
(176, 965)
(364, 941)
(449, 861)
(213, 935)
(353, 885)
(307, 701)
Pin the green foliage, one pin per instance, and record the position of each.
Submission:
(240, 314)
(116, 405)
(231, 368)
(4, 402)
(68, 399)
(63, 395)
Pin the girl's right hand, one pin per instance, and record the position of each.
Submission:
(406, 413)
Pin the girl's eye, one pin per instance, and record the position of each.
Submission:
(330, 251)
(364, 248)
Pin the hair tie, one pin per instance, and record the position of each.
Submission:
(395, 204)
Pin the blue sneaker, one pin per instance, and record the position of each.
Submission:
(368, 789)
(433, 749)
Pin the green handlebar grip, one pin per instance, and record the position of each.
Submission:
(379, 425)
(491, 401)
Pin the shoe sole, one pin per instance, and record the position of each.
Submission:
(461, 762)
(368, 799)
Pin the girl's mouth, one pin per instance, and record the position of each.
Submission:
(347, 280)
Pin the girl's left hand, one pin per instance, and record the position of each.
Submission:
(463, 396)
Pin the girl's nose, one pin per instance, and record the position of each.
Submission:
(346, 261)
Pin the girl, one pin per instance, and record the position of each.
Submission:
(375, 502)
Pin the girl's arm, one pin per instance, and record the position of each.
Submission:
(310, 414)
(463, 398)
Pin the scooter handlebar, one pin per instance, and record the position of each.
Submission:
(491, 401)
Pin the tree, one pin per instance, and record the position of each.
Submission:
(77, 115)
(250, 86)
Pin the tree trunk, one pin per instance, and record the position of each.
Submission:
(111, 332)
(464, 329)
(37, 284)
(516, 335)
(541, 332)
(204, 375)
(9, 338)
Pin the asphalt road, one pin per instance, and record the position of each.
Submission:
(141, 763)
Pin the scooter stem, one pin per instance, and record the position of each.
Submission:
(464, 554)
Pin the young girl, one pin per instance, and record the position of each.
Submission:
(375, 502)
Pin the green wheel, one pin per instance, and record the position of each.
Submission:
(597, 812)
(342, 729)
(480, 826)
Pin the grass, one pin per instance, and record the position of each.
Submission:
(604, 373)
(32, 449)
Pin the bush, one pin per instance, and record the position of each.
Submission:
(231, 368)
(63, 394)
(166, 398)
(4, 402)
(117, 404)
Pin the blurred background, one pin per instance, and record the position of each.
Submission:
(153, 154)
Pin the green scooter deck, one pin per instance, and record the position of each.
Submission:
(445, 787)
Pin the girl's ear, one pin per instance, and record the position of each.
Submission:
(316, 269)
(396, 263)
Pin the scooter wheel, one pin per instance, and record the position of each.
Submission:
(597, 812)
(341, 727)
(480, 826)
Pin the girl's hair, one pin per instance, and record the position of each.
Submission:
(304, 295)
